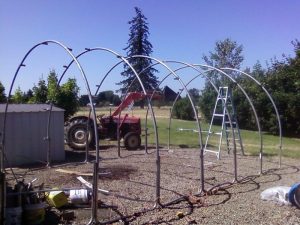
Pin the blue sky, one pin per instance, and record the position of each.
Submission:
(179, 30)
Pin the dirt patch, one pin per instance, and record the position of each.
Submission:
(131, 182)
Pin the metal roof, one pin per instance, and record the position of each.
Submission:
(28, 108)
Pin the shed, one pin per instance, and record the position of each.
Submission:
(26, 129)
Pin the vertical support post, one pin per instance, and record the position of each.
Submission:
(2, 196)
(169, 130)
(118, 136)
(94, 219)
(146, 132)
(234, 159)
(47, 137)
(157, 200)
(87, 137)
(146, 140)
(48, 151)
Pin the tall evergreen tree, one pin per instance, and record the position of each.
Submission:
(138, 44)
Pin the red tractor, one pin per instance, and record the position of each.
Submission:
(76, 131)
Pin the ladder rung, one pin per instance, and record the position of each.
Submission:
(233, 122)
(208, 150)
(218, 133)
(217, 114)
(234, 130)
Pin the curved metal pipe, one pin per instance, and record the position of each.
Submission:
(112, 68)
(48, 125)
(251, 104)
(7, 102)
(94, 205)
(230, 122)
(92, 108)
(195, 113)
(273, 103)
(174, 102)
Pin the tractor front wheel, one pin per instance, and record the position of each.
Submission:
(132, 141)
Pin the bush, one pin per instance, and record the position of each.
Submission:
(183, 110)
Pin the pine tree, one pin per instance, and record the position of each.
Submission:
(138, 44)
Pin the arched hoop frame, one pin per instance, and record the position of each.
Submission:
(95, 177)
(273, 104)
(251, 104)
(201, 70)
(47, 138)
(200, 73)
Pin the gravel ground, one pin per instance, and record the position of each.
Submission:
(131, 180)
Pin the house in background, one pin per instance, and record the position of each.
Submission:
(169, 94)
(26, 132)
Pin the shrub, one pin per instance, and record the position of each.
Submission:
(183, 110)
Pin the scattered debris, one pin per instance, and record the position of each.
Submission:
(79, 173)
(277, 194)
(180, 214)
(195, 200)
(57, 198)
(67, 216)
(89, 185)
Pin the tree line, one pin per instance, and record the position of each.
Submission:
(48, 91)
(65, 96)
(280, 78)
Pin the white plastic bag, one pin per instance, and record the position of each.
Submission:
(277, 194)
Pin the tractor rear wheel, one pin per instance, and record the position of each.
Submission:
(77, 133)
(132, 141)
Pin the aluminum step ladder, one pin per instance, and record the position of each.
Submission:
(221, 116)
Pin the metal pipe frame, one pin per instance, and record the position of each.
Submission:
(49, 120)
(94, 219)
(273, 104)
(195, 113)
(95, 178)
(105, 76)
(187, 65)
(251, 104)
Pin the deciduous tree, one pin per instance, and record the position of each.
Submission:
(18, 96)
(68, 97)
(227, 53)
(2, 93)
(40, 92)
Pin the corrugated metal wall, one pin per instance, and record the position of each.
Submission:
(25, 133)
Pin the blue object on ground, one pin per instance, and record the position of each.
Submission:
(294, 195)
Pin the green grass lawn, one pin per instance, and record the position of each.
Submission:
(250, 139)
(189, 138)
